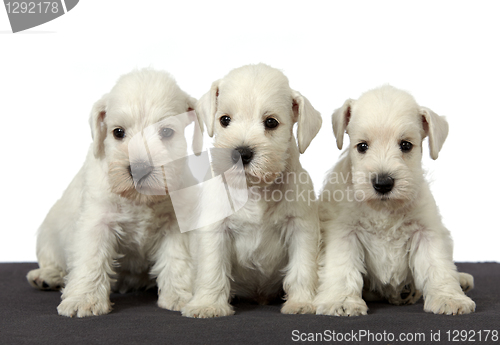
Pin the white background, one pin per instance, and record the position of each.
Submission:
(446, 53)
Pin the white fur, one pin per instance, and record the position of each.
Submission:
(103, 233)
(393, 243)
(269, 244)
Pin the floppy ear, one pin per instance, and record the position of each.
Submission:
(98, 126)
(308, 120)
(340, 120)
(436, 127)
(198, 126)
(207, 107)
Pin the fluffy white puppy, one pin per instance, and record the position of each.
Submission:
(115, 222)
(381, 226)
(271, 243)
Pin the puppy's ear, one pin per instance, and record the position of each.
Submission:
(308, 120)
(436, 127)
(98, 126)
(198, 127)
(340, 120)
(207, 107)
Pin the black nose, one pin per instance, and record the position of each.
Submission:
(245, 153)
(383, 184)
(140, 170)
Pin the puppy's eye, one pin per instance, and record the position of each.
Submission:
(224, 120)
(119, 133)
(166, 133)
(362, 147)
(271, 123)
(405, 146)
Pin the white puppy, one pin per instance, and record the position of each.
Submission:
(115, 222)
(380, 223)
(271, 243)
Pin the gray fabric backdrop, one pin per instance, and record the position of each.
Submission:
(29, 316)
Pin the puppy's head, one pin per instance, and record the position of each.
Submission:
(251, 112)
(138, 128)
(386, 128)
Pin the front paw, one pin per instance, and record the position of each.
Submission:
(350, 306)
(449, 305)
(466, 281)
(172, 301)
(206, 311)
(292, 307)
(84, 305)
(46, 278)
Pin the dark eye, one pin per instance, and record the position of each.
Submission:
(405, 146)
(362, 147)
(271, 123)
(119, 133)
(224, 121)
(166, 133)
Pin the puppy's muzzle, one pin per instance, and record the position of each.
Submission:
(245, 153)
(138, 171)
(383, 184)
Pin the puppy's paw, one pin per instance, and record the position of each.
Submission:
(214, 310)
(292, 307)
(172, 301)
(85, 305)
(466, 281)
(350, 306)
(46, 278)
(449, 305)
(408, 295)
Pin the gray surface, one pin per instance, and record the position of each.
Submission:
(29, 316)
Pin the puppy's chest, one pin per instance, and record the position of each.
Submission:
(142, 226)
(386, 242)
(259, 237)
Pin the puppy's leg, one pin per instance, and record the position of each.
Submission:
(54, 236)
(368, 294)
(340, 273)
(173, 270)
(46, 278)
(88, 283)
(301, 277)
(213, 269)
(50, 254)
(436, 275)
(466, 281)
